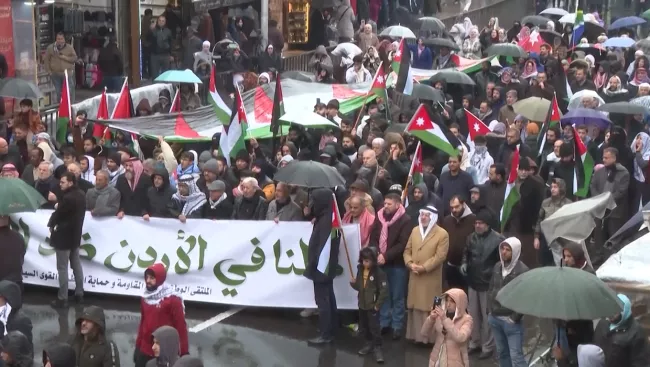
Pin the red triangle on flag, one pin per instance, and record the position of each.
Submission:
(176, 103)
(102, 114)
(64, 103)
(123, 106)
(475, 126)
(343, 91)
(379, 80)
(555, 111)
(263, 106)
(514, 166)
(183, 129)
(397, 56)
(213, 85)
(336, 217)
(420, 120)
(581, 149)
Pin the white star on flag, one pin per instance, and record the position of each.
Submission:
(269, 115)
(398, 53)
(419, 121)
(476, 128)
(534, 37)
(380, 79)
(241, 108)
(416, 162)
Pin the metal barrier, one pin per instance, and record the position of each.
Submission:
(49, 117)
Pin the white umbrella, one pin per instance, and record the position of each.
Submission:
(571, 18)
(397, 31)
(554, 11)
(576, 100)
(347, 49)
(309, 119)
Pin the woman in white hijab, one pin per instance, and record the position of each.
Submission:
(44, 141)
(424, 256)
(88, 168)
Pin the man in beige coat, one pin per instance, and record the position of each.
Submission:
(60, 57)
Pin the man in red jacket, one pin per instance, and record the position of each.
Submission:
(161, 305)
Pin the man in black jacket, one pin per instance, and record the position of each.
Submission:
(13, 253)
(218, 206)
(66, 225)
(133, 185)
(14, 320)
(159, 195)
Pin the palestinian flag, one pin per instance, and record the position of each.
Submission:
(475, 127)
(182, 128)
(233, 135)
(124, 109)
(331, 248)
(64, 118)
(552, 119)
(415, 173)
(378, 86)
(101, 131)
(467, 66)
(402, 68)
(512, 193)
(583, 167)
(422, 127)
(220, 108)
(278, 107)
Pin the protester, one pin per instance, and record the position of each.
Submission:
(60, 57)
(59, 355)
(282, 208)
(133, 185)
(16, 350)
(161, 45)
(166, 347)
(459, 225)
(218, 205)
(187, 201)
(12, 316)
(13, 247)
(615, 178)
(91, 346)
(549, 206)
(358, 212)
(251, 204)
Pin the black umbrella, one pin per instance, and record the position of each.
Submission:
(550, 37)
(404, 17)
(427, 92)
(309, 174)
(441, 42)
(452, 76)
(625, 108)
(298, 75)
(535, 20)
(506, 49)
(19, 88)
(629, 231)
(430, 26)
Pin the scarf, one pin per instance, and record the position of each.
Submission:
(478, 159)
(432, 223)
(443, 60)
(5, 311)
(637, 81)
(464, 160)
(601, 79)
(366, 219)
(213, 204)
(645, 154)
(194, 199)
(618, 90)
(89, 175)
(324, 139)
(138, 168)
(160, 293)
(523, 33)
(383, 237)
(114, 175)
(532, 74)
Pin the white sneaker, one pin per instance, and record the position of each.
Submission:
(308, 312)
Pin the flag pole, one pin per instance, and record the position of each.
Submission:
(345, 242)
(365, 100)
(409, 178)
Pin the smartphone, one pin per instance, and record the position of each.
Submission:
(437, 301)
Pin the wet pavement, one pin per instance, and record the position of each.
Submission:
(249, 338)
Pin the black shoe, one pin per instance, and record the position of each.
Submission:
(485, 355)
(379, 355)
(319, 341)
(79, 300)
(385, 330)
(475, 350)
(365, 350)
(397, 334)
(59, 304)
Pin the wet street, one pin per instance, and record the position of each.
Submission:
(225, 336)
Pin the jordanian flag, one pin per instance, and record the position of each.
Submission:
(378, 86)
(222, 111)
(583, 168)
(233, 135)
(422, 127)
(65, 112)
(415, 173)
(475, 127)
(552, 119)
(328, 251)
(402, 68)
(512, 193)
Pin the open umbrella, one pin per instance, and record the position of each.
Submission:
(452, 76)
(397, 31)
(560, 293)
(549, 36)
(178, 76)
(309, 119)
(571, 18)
(576, 100)
(533, 108)
(586, 116)
(642, 101)
(622, 42)
(440, 42)
(19, 89)
(558, 12)
(625, 108)
(430, 26)
(630, 231)
(18, 197)
(626, 22)
(535, 20)
(309, 174)
(646, 14)
(644, 45)
(427, 92)
(302, 76)
(506, 49)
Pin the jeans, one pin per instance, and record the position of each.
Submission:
(509, 338)
(57, 81)
(113, 84)
(63, 257)
(392, 310)
(481, 330)
(326, 302)
(158, 65)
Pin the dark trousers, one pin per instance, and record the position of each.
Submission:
(146, 61)
(140, 359)
(326, 303)
(369, 326)
(113, 84)
(454, 278)
(159, 64)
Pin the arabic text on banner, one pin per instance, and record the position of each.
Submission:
(229, 262)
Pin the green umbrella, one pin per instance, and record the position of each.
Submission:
(178, 76)
(560, 293)
(533, 108)
(17, 197)
(646, 14)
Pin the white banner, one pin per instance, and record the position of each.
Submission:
(230, 262)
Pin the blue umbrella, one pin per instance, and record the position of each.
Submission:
(621, 42)
(586, 116)
(627, 22)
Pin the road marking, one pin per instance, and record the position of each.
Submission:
(215, 320)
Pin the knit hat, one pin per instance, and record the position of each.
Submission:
(216, 185)
(484, 216)
(204, 157)
(211, 166)
(116, 157)
(499, 128)
(243, 155)
(395, 189)
(359, 185)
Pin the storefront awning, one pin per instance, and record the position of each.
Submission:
(203, 5)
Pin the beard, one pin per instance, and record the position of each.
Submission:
(128, 175)
(152, 288)
(349, 150)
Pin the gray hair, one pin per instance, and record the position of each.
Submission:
(104, 173)
(50, 166)
(149, 163)
(379, 141)
(252, 181)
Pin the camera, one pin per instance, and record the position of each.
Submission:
(437, 301)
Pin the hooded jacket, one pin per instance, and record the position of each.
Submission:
(502, 274)
(480, 257)
(188, 361)
(96, 350)
(60, 355)
(550, 205)
(459, 229)
(159, 198)
(156, 311)
(452, 335)
(13, 254)
(321, 209)
(617, 181)
(330, 151)
(624, 343)
(590, 355)
(168, 340)
(17, 320)
(19, 349)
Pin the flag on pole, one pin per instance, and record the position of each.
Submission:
(64, 118)
(101, 131)
(475, 126)
(512, 193)
(278, 107)
(124, 109)
(423, 128)
(402, 67)
(583, 167)
(222, 111)
(416, 175)
(233, 135)
(578, 28)
(552, 119)
(330, 250)
(378, 86)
